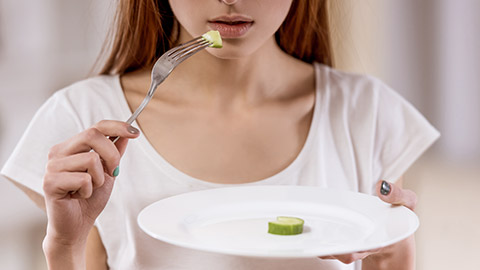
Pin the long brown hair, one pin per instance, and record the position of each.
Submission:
(144, 29)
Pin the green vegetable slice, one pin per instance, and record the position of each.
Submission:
(286, 226)
(213, 37)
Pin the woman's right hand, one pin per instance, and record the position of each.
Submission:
(77, 185)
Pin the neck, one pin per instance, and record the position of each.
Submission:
(249, 79)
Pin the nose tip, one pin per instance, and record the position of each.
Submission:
(229, 2)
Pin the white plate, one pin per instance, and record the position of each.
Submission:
(235, 221)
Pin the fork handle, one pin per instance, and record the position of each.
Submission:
(144, 103)
(140, 108)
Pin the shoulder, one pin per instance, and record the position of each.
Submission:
(354, 90)
(92, 99)
(90, 88)
(349, 82)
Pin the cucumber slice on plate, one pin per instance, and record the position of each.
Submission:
(213, 37)
(286, 226)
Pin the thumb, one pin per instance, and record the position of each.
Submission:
(396, 195)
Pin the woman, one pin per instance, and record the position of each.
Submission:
(266, 109)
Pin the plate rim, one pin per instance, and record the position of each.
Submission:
(411, 214)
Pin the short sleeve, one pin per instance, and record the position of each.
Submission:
(54, 122)
(402, 135)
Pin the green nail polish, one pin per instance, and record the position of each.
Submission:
(116, 171)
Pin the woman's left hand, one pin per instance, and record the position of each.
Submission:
(395, 195)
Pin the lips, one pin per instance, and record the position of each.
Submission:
(231, 26)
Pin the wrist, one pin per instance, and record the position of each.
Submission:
(61, 254)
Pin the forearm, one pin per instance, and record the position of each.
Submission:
(60, 256)
(400, 256)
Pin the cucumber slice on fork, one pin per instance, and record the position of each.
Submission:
(213, 37)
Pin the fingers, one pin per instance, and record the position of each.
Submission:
(82, 163)
(78, 184)
(116, 129)
(88, 162)
(396, 195)
(95, 138)
(350, 258)
(95, 135)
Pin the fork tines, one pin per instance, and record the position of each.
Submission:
(188, 48)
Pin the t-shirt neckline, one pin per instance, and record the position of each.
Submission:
(281, 177)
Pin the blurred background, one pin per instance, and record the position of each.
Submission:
(428, 50)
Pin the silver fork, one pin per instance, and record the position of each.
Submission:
(164, 66)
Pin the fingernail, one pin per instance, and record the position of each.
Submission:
(133, 130)
(116, 172)
(385, 188)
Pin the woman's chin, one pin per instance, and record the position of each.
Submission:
(230, 52)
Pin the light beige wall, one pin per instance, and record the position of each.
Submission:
(44, 45)
(357, 28)
(426, 51)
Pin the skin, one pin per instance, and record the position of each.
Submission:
(249, 101)
(398, 256)
(261, 92)
(267, 14)
(77, 185)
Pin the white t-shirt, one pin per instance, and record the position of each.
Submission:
(361, 132)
